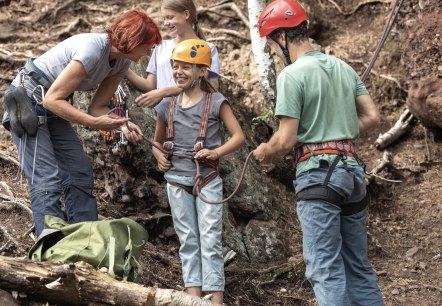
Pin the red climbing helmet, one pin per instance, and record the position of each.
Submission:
(281, 14)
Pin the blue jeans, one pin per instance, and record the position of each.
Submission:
(60, 166)
(334, 246)
(199, 229)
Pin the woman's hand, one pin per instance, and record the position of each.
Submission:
(107, 122)
(133, 133)
(208, 154)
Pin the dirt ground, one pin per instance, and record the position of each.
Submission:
(404, 228)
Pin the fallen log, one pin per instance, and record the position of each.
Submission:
(402, 126)
(81, 284)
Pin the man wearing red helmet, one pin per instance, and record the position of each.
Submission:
(322, 105)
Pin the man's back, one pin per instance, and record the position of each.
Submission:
(320, 90)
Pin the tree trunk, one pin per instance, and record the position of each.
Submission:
(81, 284)
(263, 60)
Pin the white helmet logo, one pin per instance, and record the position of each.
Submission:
(289, 13)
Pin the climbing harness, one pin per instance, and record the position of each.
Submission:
(199, 145)
(118, 106)
(326, 193)
(199, 180)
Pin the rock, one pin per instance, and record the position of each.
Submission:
(6, 299)
(425, 101)
(411, 252)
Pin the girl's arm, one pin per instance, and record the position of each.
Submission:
(160, 136)
(236, 140)
(143, 84)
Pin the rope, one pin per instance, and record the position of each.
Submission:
(198, 178)
(391, 18)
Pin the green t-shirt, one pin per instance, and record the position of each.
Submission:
(320, 91)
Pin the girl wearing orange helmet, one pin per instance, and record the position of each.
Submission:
(190, 123)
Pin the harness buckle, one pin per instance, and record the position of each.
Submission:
(168, 145)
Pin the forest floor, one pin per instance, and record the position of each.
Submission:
(405, 220)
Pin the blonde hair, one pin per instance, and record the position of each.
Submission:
(185, 5)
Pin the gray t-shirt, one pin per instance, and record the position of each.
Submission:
(186, 127)
(91, 49)
(159, 63)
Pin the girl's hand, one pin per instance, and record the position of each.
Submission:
(149, 99)
(163, 163)
(208, 154)
(133, 133)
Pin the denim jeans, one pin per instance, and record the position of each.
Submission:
(58, 166)
(334, 246)
(199, 229)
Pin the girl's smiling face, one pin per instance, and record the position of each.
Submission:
(183, 73)
(174, 21)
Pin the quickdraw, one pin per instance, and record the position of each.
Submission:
(118, 105)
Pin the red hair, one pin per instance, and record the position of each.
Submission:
(132, 29)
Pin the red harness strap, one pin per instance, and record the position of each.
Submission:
(204, 121)
(308, 150)
(190, 189)
(330, 147)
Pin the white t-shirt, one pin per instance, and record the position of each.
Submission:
(159, 63)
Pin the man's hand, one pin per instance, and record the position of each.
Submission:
(262, 155)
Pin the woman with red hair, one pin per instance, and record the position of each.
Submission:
(39, 114)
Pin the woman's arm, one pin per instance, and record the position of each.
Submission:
(235, 141)
(65, 84)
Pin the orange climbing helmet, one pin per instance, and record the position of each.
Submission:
(280, 14)
(193, 51)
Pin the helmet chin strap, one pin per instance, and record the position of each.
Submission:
(195, 80)
(284, 49)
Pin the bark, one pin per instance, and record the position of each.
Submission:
(263, 59)
(81, 284)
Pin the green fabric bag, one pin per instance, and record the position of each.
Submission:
(115, 244)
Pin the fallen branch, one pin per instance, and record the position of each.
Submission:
(226, 31)
(6, 189)
(9, 158)
(387, 161)
(17, 202)
(402, 126)
(81, 284)
(357, 6)
(230, 5)
(10, 240)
